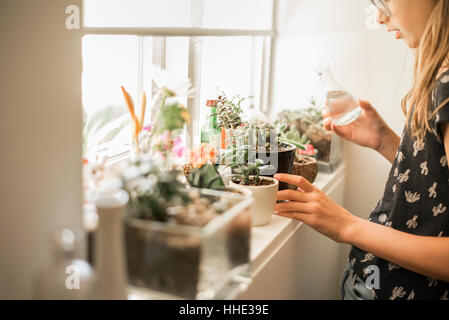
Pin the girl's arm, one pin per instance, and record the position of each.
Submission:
(428, 256)
(425, 255)
(389, 145)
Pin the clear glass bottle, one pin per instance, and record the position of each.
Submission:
(341, 105)
(66, 276)
(210, 132)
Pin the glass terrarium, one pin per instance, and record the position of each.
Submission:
(309, 122)
(188, 261)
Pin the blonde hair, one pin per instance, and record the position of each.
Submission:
(431, 56)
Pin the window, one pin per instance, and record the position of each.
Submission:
(214, 43)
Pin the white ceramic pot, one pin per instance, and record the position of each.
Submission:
(264, 200)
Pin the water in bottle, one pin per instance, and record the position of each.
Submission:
(341, 105)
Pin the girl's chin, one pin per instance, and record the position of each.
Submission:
(411, 43)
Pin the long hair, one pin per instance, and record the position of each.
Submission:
(431, 55)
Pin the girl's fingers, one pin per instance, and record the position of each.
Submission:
(304, 217)
(338, 130)
(365, 105)
(299, 181)
(327, 124)
(292, 195)
(291, 206)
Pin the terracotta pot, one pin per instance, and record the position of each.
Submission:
(264, 200)
(306, 167)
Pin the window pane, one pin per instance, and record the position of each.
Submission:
(137, 13)
(177, 60)
(229, 14)
(108, 63)
(226, 64)
(238, 14)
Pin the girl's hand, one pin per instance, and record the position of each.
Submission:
(368, 130)
(313, 207)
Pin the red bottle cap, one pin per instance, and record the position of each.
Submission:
(211, 103)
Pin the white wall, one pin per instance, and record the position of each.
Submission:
(371, 64)
(40, 134)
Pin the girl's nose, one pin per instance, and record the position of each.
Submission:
(381, 18)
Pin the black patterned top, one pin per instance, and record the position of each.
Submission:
(416, 201)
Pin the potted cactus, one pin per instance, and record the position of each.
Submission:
(259, 138)
(266, 144)
(264, 189)
(182, 241)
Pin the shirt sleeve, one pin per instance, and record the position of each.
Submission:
(441, 96)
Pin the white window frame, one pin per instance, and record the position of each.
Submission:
(159, 35)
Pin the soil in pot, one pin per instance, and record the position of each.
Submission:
(306, 167)
(253, 182)
(164, 262)
(170, 262)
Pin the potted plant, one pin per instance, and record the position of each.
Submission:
(229, 117)
(306, 167)
(259, 137)
(179, 240)
(264, 189)
(264, 143)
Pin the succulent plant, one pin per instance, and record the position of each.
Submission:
(291, 134)
(152, 191)
(207, 177)
(249, 172)
(229, 112)
(309, 115)
(258, 134)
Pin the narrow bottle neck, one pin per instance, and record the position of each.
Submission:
(329, 82)
(213, 118)
(326, 77)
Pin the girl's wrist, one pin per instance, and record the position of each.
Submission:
(349, 231)
(389, 144)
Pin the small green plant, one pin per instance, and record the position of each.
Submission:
(229, 117)
(151, 190)
(229, 111)
(249, 173)
(309, 115)
(260, 134)
(207, 177)
(291, 134)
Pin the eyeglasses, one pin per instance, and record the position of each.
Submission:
(382, 7)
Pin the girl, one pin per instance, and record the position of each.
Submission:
(406, 238)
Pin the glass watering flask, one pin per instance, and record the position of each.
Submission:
(341, 105)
